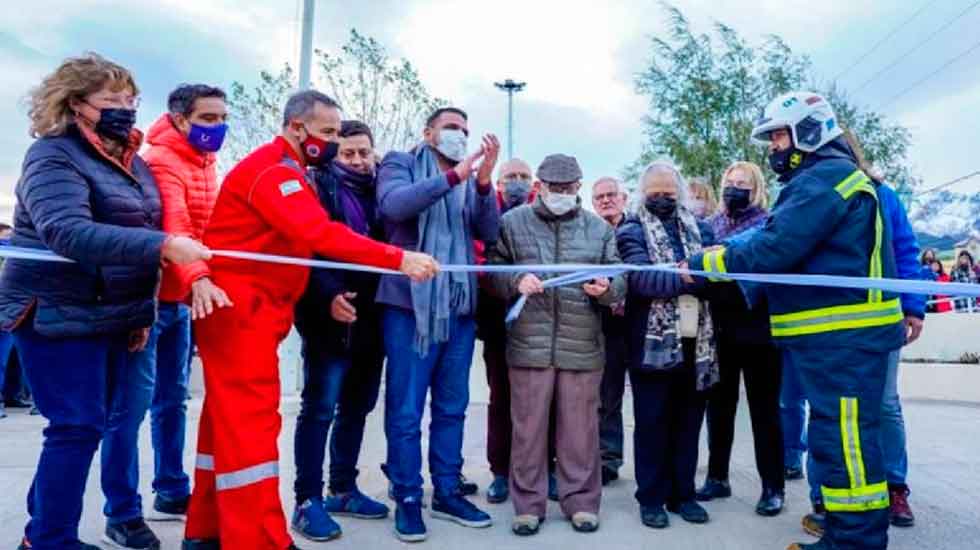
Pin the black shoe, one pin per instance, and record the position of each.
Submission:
(552, 487)
(467, 487)
(793, 473)
(770, 503)
(819, 545)
(690, 511)
(499, 490)
(165, 509)
(609, 475)
(712, 489)
(34, 411)
(293, 547)
(654, 517)
(200, 544)
(17, 403)
(131, 534)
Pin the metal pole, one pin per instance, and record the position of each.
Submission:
(306, 45)
(510, 87)
(510, 124)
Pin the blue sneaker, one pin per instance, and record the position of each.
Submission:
(457, 509)
(355, 504)
(311, 521)
(409, 526)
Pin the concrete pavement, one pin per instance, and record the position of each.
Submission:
(944, 477)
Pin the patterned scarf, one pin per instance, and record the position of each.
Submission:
(726, 226)
(662, 347)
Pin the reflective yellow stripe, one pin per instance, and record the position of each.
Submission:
(859, 499)
(714, 262)
(815, 321)
(846, 187)
(851, 441)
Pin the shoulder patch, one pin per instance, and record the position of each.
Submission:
(289, 187)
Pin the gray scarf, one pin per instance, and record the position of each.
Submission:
(442, 234)
(662, 345)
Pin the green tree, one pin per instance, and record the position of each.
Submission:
(707, 90)
(386, 94)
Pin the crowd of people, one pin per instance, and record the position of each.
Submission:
(963, 270)
(107, 338)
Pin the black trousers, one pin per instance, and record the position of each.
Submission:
(611, 402)
(761, 366)
(668, 411)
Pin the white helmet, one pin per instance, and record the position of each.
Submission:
(808, 117)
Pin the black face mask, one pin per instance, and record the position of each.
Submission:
(736, 199)
(116, 124)
(662, 207)
(783, 162)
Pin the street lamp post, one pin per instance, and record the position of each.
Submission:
(306, 45)
(511, 88)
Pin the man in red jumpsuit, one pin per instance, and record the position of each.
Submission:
(265, 205)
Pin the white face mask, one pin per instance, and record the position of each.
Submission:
(452, 144)
(558, 203)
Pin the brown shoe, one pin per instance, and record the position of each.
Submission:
(899, 512)
(813, 523)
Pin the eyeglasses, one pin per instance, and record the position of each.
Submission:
(118, 101)
(605, 196)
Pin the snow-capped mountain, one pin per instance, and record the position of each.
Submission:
(946, 215)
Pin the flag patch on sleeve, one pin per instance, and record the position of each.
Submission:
(289, 187)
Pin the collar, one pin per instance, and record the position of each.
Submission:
(129, 152)
(288, 151)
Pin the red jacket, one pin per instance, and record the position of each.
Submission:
(267, 206)
(188, 188)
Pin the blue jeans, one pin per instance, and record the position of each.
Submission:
(341, 391)
(6, 346)
(74, 381)
(157, 376)
(445, 371)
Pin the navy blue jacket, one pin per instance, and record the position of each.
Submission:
(74, 201)
(313, 319)
(821, 224)
(646, 286)
(401, 198)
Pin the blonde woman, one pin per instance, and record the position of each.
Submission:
(702, 202)
(87, 196)
(744, 348)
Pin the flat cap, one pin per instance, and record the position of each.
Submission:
(559, 168)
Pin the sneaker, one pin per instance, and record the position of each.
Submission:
(391, 495)
(130, 534)
(457, 509)
(609, 475)
(654, 517)
(355, 504)
(552, 487)
(899, 512)
(499, 490)
(814, 522)
(165, 509)
(17, 403)
(585, 522)
(819, 545)
(690, 511)
(526, 525)
(409, 526)
(793, 473)
(200, 544)
(34, 411)
(712, 489)
(467, 487)
(311, 521)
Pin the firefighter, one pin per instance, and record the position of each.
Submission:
(827, 220)
(265, 205)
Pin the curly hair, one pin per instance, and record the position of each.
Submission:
(50, 109)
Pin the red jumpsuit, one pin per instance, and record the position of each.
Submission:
(265, 205)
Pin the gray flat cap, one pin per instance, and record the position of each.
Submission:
(559, 169)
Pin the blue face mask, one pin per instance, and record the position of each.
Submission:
(207, 139)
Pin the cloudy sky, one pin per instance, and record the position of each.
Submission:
(578, 57)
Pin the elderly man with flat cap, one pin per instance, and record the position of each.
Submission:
(555, 347)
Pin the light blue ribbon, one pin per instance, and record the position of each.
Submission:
(578, 273)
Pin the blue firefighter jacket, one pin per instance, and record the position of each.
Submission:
(827, 221)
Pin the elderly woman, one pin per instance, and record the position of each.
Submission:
(744, 348)
(671, 347)
(87, 196)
